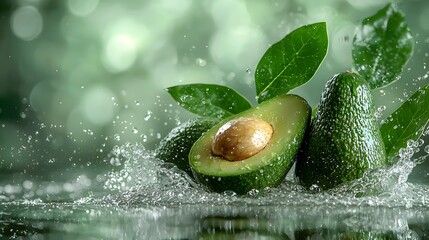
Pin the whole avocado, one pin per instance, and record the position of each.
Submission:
(344, 139)
(175, 147)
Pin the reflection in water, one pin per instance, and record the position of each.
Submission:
(71, 221)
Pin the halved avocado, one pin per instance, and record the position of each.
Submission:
(288, 115)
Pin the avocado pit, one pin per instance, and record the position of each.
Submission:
(241, 138)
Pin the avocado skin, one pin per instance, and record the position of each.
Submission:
(344, 139)
(268, 176)
(175, 147)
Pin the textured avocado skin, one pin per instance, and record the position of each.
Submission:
(175, 147)
(344, 139)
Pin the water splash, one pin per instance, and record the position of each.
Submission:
(148, 181)
(147, 198)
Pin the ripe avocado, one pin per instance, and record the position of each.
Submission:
(288, 115)
(344, 139)
(175, 147)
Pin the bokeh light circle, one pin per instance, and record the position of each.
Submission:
(82, 7)
(26, 23)
(424, 18)
(120, 53)
(240, 47)
(97, 106)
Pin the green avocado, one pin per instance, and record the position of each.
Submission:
(175, 147)
(344, 139)
(287, 115)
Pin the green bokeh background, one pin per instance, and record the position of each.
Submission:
(78, 77)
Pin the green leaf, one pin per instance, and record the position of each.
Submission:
(406, 123)
(209, 100)
(382, 46)
(292, 61)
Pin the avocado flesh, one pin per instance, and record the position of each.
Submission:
(175, 147)
(344, 139)
(289, 115)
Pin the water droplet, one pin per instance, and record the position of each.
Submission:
(135, 130)
(411, 143)
(426, 132)
(201, 62)
(115, 161)
(88, 131)
(148, 115)
(185, 98)
(117, 137)
(427, 149)
(379, 112)
(315, 188)
(144, 137)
